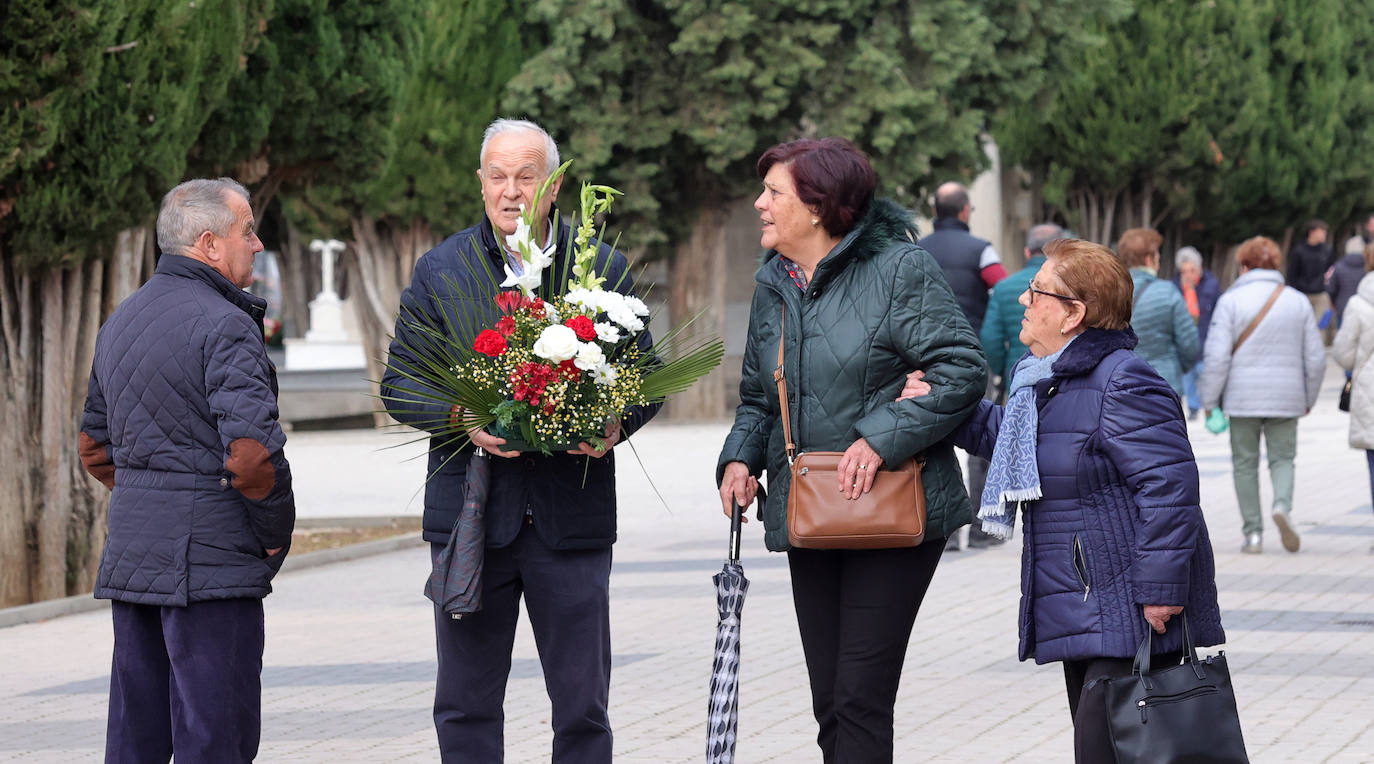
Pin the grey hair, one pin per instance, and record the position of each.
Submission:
(1354, 245)
(1186, 255)
(502, 125)
(194, 207)
(1042, 234)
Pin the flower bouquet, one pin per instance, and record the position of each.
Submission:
(542, 366)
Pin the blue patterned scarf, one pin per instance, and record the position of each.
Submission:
(1014, 472)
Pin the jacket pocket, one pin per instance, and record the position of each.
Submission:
(1080, 566)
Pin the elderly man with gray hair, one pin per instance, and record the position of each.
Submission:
(181, 424)
(1201, 290)
(550, 519)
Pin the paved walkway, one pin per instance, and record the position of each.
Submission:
(350, 660)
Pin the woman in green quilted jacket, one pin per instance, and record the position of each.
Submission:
(864, 305)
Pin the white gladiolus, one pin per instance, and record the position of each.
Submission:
(557, 343)
(520, 241)
(527, 281)
(607, 331)
(589, 357)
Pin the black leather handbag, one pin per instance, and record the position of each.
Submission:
(1184, 714)
(1344, 402)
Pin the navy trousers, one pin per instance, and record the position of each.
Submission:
(567, 596)
(186, 680)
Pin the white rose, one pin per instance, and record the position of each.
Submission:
(607, 331)
(589, 357)
(557, 343)
(637, 305)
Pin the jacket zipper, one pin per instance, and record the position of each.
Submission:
(1080, 566)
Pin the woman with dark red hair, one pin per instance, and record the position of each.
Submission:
(857, 305)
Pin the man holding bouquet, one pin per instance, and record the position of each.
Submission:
(550, 519)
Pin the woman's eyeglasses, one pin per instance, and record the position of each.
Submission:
(1033, 292)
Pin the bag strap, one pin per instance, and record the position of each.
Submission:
(1142, 655)
(1245, 335)
(1141, 292)
(781, 379)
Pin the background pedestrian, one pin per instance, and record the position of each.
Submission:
(1167, 332)
(1200, 290)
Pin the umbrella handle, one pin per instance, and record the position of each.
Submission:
(735, 520)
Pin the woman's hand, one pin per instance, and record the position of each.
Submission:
(1158, 615)
(916, 386)
(737, 485)
(857, 467)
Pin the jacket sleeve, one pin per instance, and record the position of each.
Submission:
(978, 434)
(93, 444)
(405, 397)
(1313, 357)
(1142, 432)
(755, 415)
(1347, 340)
(994, 337)
(928, 331)
(239, 391)
(1185, 333)
(1216, 360)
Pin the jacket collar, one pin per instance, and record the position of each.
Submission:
(1090, 347)
(191, 268)
(1257, 276)
(956, 224)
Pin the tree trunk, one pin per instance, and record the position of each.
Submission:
(300, 269)
(379, 267)
(698, 287)
(51, 514)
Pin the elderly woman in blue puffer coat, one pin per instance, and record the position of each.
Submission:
(1092, 448)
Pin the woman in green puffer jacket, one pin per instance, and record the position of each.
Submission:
(864, 305)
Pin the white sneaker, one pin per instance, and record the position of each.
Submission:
(1287, 533)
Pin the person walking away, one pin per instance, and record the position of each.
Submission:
(1344, 277)
(1093, 451)
(1308, 262)
(1353, 349)
(1200, 290)
(550, 520)
(1167, 333)
(971, 267)
(1265, 384)
(181, 423)
(864, 305)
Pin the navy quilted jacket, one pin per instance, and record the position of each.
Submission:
(181, 421)
(1119, 524)
(572, 498)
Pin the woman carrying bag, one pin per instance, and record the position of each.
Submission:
(855, 305)
(1092, 451)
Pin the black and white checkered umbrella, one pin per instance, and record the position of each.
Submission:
(723, 711)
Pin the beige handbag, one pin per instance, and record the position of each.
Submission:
(892, 514)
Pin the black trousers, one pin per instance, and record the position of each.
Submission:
(567, 595)
(855, 610)
(186, 679)
(1092, 741)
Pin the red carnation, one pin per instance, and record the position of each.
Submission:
(506, 326)
(509, 302)
(536, 308)
(583, 326)
(490, 343)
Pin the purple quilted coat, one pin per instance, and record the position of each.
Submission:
(1119, 524)
(181, 422)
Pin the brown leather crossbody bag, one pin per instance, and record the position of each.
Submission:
(892, 514)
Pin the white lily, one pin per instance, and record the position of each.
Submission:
(527, 281)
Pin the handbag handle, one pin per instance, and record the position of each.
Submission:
(1141, 666)
(780, 378)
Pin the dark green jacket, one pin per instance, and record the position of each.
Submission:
(876, 308)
